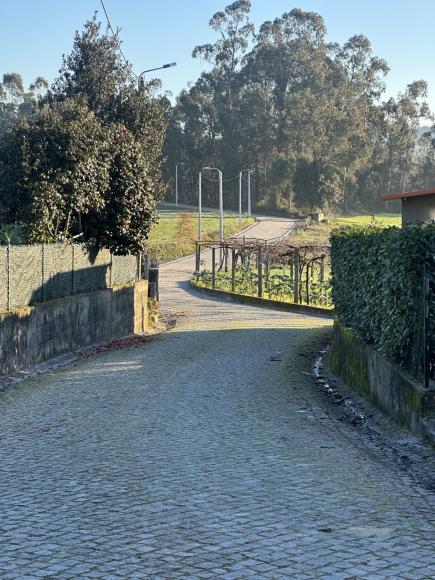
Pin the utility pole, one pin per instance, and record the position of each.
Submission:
(221, 202)
(249, 191)
(176, 182)
(221, 209)
(199, 208)
(240, 199)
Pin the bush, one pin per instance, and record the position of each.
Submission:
(65, 175)
(377, 284)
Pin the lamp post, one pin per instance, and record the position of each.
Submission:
(240, 192)
(249, 192)
(199, 208)
(176, 181)
(168, 65)
(240, 199)
(221, 203)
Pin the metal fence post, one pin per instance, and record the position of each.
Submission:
(145, 266)
(42, 272)
(139, 267)
(260, 272)
(307, 278)
(267, 274)
(213, 267)
(8, 254)
(233, 270)
(197, 257)
(72, 268)
(296, 276)
(426, 326)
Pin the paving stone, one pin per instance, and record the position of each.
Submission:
(188, 457)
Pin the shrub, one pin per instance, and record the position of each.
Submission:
(377, 284)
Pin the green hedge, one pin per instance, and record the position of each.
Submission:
(377, 285)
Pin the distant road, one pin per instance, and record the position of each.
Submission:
(265, 227)
(270, 229)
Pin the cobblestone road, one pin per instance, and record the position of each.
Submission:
(205, 454)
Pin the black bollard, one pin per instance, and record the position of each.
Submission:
(153, 279)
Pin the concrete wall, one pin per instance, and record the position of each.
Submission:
(34, 334)
(418, 209)
(382, 382)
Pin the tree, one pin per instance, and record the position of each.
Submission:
(65, 175)
(234, 30)
(54, 167)
(87, 163)
(306, 115)
(125, 219)
(95, 71)
(15, 101)
(317, 185)
(218, 91)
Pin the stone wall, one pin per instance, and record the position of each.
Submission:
(34, 334)
(391, 388)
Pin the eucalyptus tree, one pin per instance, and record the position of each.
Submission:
(402, 117)
(235, 31)
(305, 114)
(16, 101)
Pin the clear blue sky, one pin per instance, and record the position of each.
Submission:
(35, 33)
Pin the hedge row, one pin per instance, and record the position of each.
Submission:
(377, 285)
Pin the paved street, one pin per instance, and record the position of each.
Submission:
(269, 228)
(208, 453)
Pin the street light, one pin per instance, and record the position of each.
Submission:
(221, 204)
(168, 65)
(176, 181)
(240, 193)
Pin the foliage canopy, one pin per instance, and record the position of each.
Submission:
(377, 284)
(306, 115)
(86, 162)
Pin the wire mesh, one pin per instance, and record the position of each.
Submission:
(124, 269)
(3, 278)
(58, 265)
(90, 271)
(36, 273)
(25, 280)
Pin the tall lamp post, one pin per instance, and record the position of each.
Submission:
(221, 201)
(199, 208)
(240, 193)
(139, 78)
(176, 181)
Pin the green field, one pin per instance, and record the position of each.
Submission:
(319, 233)
(177, 230)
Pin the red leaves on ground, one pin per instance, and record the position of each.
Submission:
(118, 343)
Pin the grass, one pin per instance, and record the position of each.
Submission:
(176, 232)
(319, 233)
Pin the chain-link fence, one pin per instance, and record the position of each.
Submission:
(37, 273)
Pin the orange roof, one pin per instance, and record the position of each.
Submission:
(406, 194)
